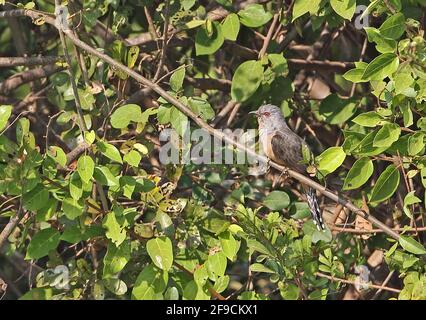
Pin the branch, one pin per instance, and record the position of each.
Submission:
(268, 36)
(11, 225)
(361, 231)
(218, 134)
(382, 287)
(10, 84)
(28, 61)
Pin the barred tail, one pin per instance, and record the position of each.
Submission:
(314, 208)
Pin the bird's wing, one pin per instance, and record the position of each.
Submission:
(287, 150)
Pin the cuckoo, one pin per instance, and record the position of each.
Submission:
(283, 146)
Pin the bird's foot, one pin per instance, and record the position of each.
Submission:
(284, 174)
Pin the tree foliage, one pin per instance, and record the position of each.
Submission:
(86, 201)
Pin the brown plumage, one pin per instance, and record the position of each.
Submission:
(283, 146)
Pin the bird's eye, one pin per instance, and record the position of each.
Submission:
(266, 114)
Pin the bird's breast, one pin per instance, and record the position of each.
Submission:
(265, 140)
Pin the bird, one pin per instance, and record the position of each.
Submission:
(281, 145)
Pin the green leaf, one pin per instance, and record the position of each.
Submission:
(194, 24)
(299, 210)
(359, 174)
(246, 80)
(344, 8)
(72, 208)
(337, 110)
(133, 158)
(278, 63)
(89, 136)
(416, 143)
(161, 252)
(132, 56)
(216, 265)
(201, 107)
(230, 246)
(277, 200)
(393, 27)
(115, 231)
(387, 135)
(115, 259)
(116, 286)
(105, 177)
(290, 292)
(368, 119)
(402, 82)
(258, 267)
(87, 99)
(254, 15)
(231, 27)
(355, 75)
(221, 284)
(330, 160)
(193, 291)
(150, 281)
(5, 113)
(57, 154)
(366, 148)
(386, 185)
(304, 6)
(75, 186)
(381, 67)
(409, 200)
(411, 245)
(383, 45)
(172, 293)
(42, 243)
(176, 80)
(36, 198)
(85, 167)
(109, 151)
(208, 44)
(72, 234)
(124, 115)
(179, 121)
(38, 294)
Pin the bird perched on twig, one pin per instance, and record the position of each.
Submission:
(283, 146)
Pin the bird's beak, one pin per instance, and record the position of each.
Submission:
(255, 113)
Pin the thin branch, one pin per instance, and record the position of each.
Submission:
(164, 45)
(373, 286)
(269, 36)
(10, 84)
(360, 231)
(5, 233)
(28, 61)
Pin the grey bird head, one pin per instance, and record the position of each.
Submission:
(270, 116)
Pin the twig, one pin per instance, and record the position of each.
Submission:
(11, 225)
(150, 23)
(8, 85)
(268, 36)
(373, 286)
(377, 294)
(164, 46)
(359, 231)
(28, 61)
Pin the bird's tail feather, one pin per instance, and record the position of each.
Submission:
(314, 208)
